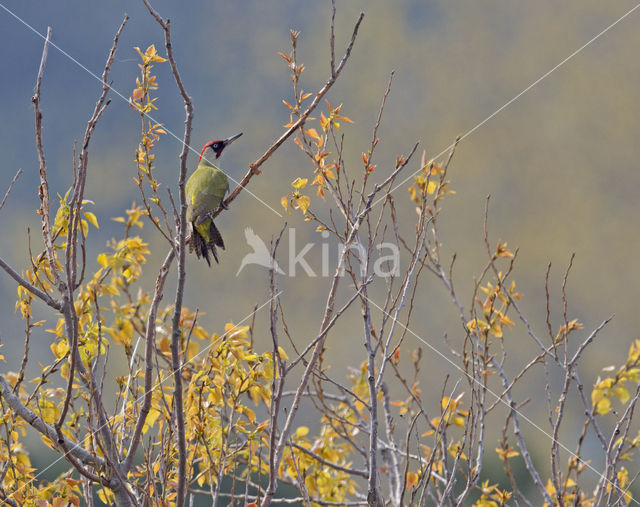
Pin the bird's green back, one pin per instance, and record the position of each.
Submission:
(205, 190)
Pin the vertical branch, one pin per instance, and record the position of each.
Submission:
(181, 239)
(150, 340)
(332, 38)
(279, 370)
(372, 493)
(44, 183)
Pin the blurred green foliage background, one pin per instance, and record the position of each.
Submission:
(560, 163)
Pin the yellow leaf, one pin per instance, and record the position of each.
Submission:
(299, 183)
(92, 218)
(283, 354)
(303, 203)
(324, 121)
(412, 480)
(603, 406)
(621, 393)
(60, 349)
(302, 431)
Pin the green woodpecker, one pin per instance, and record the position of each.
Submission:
(205, 191)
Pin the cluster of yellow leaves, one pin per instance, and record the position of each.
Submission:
(61, 222)
(492, 496)
(218, 384)
(623, 483)
(569, 493)
(320, 480)
(428, 181)
(40, 274)
(506, 452)
(614, 386)
(41, 277)
(495, 305)
(19, 481)
(133, 218)
(314, 145)
(323, 169)
(296, 199)
(330, 445)
(150, 132)
(142, 102)
(216, 407)
(139, 99)
(451, 414)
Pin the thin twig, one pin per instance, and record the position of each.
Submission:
(15, 178)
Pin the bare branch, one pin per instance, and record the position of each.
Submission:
(15, 178)
(44, 184)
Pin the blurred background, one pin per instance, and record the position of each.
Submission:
(560, 163)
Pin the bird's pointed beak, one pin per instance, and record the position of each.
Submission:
(229, 140)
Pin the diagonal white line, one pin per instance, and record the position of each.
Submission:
(160, 382)
(508, 103)
(499, 398)
(116, 92)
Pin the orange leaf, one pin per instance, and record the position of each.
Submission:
(137, 94)
(312, 133)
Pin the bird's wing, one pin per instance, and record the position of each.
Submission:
(205, 190)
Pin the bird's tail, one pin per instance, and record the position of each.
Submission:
(199, 243)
